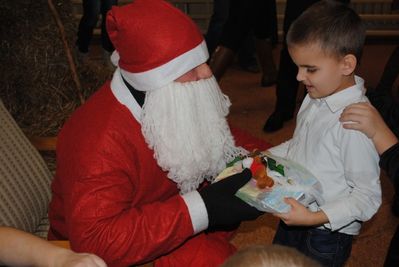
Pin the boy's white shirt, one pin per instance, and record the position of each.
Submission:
(345, 161)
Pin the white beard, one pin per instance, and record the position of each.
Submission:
(185, 124)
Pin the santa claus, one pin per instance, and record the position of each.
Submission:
(130, 161)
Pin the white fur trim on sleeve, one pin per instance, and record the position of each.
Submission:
(196, 208)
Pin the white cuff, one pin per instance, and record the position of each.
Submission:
(196, 208)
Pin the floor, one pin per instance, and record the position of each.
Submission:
(251, 104)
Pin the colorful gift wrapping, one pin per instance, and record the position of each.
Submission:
(284, 178)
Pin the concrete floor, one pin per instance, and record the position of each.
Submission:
(251, 104)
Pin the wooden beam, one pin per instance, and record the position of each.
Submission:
(43, 143)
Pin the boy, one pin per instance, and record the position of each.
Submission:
(325, 42)
(368, 120)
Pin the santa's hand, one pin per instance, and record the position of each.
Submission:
(299, 215)
(223, 207)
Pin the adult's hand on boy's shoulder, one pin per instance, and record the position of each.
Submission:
(367, 119)
(362, 117)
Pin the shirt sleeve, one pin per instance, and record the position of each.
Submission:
(361, 174)
(390, 163)
(281, 149)
(102, 221)
(103, 215)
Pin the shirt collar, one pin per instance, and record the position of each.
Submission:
(345, 97)
(123, 95)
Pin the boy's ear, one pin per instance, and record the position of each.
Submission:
(349, 63)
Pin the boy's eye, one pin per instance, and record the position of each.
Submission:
(311, 70)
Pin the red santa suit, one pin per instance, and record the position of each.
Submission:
(111, 198)
(109, 195)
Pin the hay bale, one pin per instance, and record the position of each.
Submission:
(38, 88)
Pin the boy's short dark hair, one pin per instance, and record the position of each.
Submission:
(337, 28)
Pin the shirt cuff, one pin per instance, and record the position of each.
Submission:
(337, 216)
(197, 210)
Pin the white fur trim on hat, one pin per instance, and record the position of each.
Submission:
(166, 73)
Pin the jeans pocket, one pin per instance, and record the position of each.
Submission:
(322, 244)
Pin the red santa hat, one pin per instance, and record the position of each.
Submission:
(155, 43)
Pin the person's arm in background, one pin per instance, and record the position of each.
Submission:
(18, 248)
(365, 118)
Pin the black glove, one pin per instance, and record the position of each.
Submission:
(224, 208)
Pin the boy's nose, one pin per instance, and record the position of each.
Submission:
(300, 76)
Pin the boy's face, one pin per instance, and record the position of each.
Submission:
(322, 74)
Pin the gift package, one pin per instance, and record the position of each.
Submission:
(274, 179)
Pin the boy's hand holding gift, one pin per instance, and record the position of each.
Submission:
(300, 215)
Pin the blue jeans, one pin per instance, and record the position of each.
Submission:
(326, 247)
(91, 10)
